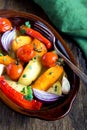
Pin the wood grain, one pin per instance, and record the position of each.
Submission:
(76, 119)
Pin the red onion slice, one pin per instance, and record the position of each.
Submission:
(7, 38)
(45, 96)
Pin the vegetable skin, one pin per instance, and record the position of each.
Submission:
(17, 97)
(5, 60)
(48, 78)
(65, 85)
(39, 47)
(35, 34)
(56, 88)
(2, 67)
(31, 72)
(20, 41)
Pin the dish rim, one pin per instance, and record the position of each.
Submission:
(42, 114)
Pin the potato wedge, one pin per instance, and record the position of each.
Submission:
(56, 88)
(20, 41)
(31, 72)
(18, 87)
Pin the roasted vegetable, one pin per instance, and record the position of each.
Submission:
(2, 67)
(45, 96)
(39, 47)
(7, 38)
(14, 70)
(56, 88)
(65, 85)
(26, 90)
(5, 25)
(26, 52)
(17, 97)
(40, 74)
(48, 78)
(20, 41)
(6, 60)
(49, 59)
(31, 71)
(35, 34)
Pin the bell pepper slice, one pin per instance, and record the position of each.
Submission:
(17, 97)
(37, 35)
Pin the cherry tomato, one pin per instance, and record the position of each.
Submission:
(26, 52)
(49, 59)
(14, 70)
(5, 25)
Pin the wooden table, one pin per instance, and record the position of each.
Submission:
(76, 119)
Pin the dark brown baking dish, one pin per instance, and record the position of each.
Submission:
(62, 107)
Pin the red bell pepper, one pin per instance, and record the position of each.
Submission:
(17, 97)
(36, 34)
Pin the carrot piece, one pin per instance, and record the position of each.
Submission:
(6, 60)
(49, 77)
(39, 47)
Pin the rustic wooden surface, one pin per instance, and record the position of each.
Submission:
(76, 119)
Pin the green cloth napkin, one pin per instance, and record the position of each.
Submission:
(69, 17)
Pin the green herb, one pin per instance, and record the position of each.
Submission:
(23, 90)
(24, 75)
(5, 59)
(55, 88)
(29, 90)
(30, 67)
(22, 31)
(38, 50)
(27, 24)
(34, 58)
(17, 40)
(28, 97)
(60, 62)
(28, 93)
(50, 73)
(1, 54)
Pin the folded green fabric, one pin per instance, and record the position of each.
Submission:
(69, 17)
